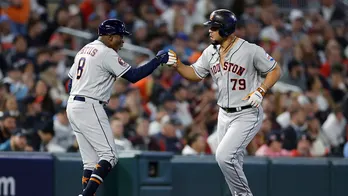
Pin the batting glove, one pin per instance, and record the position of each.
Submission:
(166, 57)
(255, 98)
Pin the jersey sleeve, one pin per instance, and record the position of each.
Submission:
(115, 64)
(71, 71)
(263, 62)
(201, 66)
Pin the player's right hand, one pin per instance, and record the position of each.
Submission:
(255, 98)
(166, 57)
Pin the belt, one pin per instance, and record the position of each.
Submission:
(83, 99)
(237, 109)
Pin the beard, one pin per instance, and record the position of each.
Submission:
(216, 42)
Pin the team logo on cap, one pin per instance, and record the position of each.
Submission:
(122, 62)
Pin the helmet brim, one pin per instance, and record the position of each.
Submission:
(212, 24)
(126, 33)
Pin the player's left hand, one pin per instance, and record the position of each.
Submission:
(255, 98)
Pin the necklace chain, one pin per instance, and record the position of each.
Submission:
(234, 39)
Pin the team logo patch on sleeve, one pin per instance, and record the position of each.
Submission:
(122, 62)
(269, 57)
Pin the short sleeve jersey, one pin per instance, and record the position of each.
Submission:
(240, 73)
(95, 69)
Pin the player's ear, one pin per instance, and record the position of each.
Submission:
(110, 37)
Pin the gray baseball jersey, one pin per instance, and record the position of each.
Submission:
(94, 71)
(239, 75)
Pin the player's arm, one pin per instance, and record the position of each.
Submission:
(268, 66)
(135, 74)
(187, 72)
(115, 64)
(271, 78)
(195, 72)
(70, 74)
(69, 85)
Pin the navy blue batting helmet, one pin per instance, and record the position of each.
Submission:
(224, 20)
(112, 27)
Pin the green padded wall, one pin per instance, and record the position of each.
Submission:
(299, 176)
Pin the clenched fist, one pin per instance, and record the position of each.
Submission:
(166, 57)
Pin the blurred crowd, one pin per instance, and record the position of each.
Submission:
(306, 112)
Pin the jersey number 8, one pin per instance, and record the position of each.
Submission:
(80, 67)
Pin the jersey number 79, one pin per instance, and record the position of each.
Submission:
(241, 84)
(80, 67)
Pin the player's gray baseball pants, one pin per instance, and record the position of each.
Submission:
(93, 132)
(235, 131)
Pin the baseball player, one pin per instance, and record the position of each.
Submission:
(96, 66)
(236, 67)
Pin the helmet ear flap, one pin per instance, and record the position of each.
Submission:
(222, 32)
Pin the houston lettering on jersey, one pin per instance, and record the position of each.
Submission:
(231, 67)
(88, 50)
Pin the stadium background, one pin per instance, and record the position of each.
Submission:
(306, 111)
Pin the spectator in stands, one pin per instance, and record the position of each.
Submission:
(317, 95)
(253, 28)
(313, 70)
(271, 32)
(295, 75)
(180, 45)
(167, 139)
(338, 87)
(196, 144)
(61, 18)
(14, 79)
(8, 124)
(297, 21)
(12, 106)
(56, 88)
(142, 140)
(31, 114)
(123, 114)
(332, 11)
(180, 93)
(35, 30)
(16, 142)
(155, 125)
(42, 95)
(289, 103)
(74, 147)
(19, 50)
(273, 146)
(261, 137)
(333, 57)
(64, 135)
(113, 105)
(42, 139)
(295, 129)
(284, 51)
(6, 35)
(121, 142)
(320, 145)
(3, 96)
(169, 104)
(303, 147)
(19, 13)
(334, 129)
